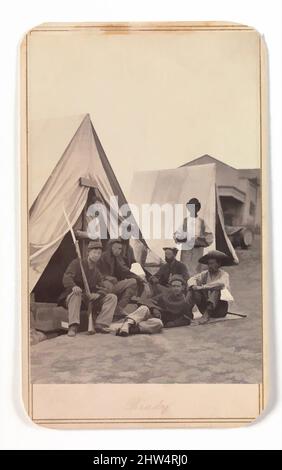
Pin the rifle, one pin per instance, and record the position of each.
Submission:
(237, 314)
(91, 329)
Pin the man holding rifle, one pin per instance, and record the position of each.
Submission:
(74, 294)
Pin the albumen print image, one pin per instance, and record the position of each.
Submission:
(144, 195)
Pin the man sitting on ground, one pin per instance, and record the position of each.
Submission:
(172, 304)
(206, 289)
(160, 282)
(74, 294)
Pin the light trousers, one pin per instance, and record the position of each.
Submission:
(143, 318)
(124, 290)
(105, 316)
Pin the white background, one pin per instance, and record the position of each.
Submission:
(16, 431)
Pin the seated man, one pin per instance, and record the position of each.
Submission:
(74, 294)
(172, 304)
(206, 289)
(114, 269)
(160, 282)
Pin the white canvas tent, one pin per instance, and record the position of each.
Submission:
(61, 153)
(177, 186)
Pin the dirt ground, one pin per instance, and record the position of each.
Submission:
(223, 352)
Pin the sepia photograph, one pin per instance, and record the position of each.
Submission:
(144, 192)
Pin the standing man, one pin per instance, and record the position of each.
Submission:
(74, 294)
(96, 216)
(210, 289)
(114, 269)
(160, 282)
(194, 235)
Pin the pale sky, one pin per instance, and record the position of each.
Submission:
(157, 100)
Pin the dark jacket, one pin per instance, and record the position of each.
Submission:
(174, 309)
(73, 277)
(110, 265)
(128, 254)
(169, 269)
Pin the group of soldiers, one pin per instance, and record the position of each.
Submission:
(148, 304)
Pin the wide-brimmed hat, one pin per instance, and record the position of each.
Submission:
(94, 244)
(219, 256)
(172, 248)
(177, 277)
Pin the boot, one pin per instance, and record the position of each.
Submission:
(123, 330)
(72, 330)
(129, 327)
(102, 329)
(205, 318)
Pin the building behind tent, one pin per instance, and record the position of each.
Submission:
(239, 191)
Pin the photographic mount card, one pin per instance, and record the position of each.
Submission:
(144, 224)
